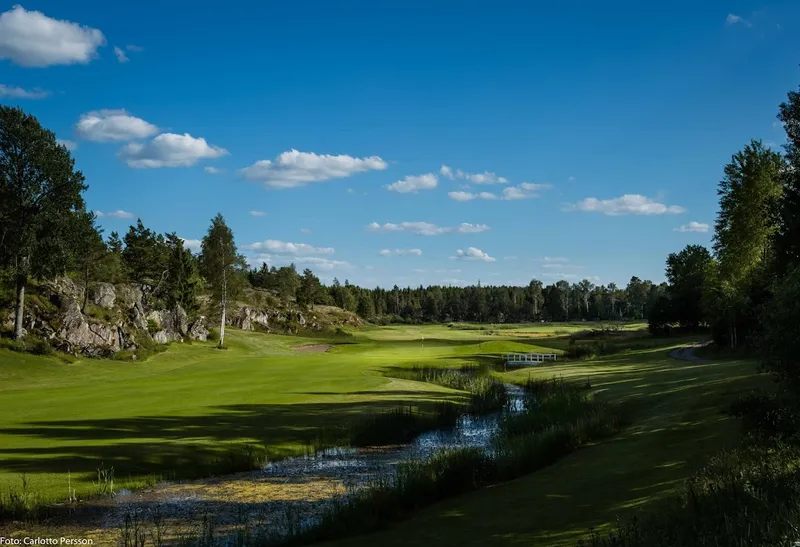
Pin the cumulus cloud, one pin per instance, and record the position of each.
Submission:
(413, 184)
(113, 125)
(293, 168)
(628, 204)
(258, 213)
(114, 214)
(733, 19)
(212, 170)
(192, 244)
(68, 144)
(286, 248)
(693, 227)
(400, 252)
(525, 190)
(426, 228)
(169, 150)
(31, 39)
(486, 177)
(120, 53)
(15, 92)
(472, 253)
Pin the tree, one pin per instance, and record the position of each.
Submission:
(222, 266)
(309, 290)
(686, 277)
(89, 250)
(287, 282)
(787, 237)
(113, 269)
(181, 283)
(745, 224)
(40, 191)
(745, 228)
(145, 255)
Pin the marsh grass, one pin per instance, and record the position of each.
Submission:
(401, 425)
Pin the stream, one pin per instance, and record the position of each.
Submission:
(296, 491)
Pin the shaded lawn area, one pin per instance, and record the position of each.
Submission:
(677, 426)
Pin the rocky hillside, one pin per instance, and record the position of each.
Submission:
(118, 318)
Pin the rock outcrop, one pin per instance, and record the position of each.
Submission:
(78, 335)
(103, 295)
(199, 330)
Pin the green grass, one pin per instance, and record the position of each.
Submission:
(194, 408)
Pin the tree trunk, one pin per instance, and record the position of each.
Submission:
(85, 289)
(224, 306)
(18, 329)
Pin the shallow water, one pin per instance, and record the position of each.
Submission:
(301, 488)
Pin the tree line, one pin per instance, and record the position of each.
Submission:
(560, 301)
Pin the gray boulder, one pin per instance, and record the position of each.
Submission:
(103, 295)
(161, 337)
(199, 330)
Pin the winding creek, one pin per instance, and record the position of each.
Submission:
(296, 491)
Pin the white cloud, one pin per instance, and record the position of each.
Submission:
(447, 271)
(555, 259)
(120, 53)
(293, 168)
(693, 227)
(426, 228)
(287, 248)
(169, 150)
(114, 214)
(733, 19)
(212, 170)
(472, 253)
(258, 213)
(486, 177)
(113, 125)
(135, 49)
(68, 144)
(522, 191)
(305, 230)
(628, 204)
(15, 92)
(462, 196)
(192, 244)
(400, 252)
(31, 39)
(413, 184)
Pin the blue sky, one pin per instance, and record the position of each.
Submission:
(577, 139)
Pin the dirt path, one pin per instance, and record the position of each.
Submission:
(686, 353)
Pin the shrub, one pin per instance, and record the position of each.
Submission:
(153, 326)
(213, 334)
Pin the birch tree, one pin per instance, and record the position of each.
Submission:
(222, 266)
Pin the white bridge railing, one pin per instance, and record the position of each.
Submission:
(528, 358)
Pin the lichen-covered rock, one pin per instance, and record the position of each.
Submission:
(78, 335)
(198, 330)
(103, 295)
(161, 337)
